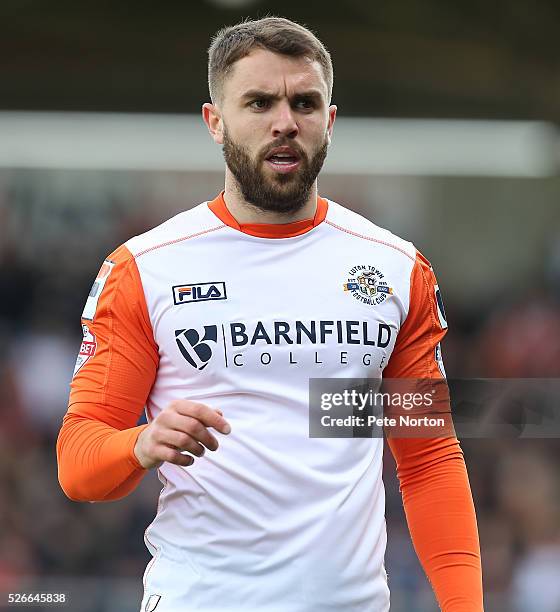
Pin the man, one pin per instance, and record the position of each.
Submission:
(216, 320)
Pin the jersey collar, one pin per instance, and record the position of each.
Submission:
(269, 230)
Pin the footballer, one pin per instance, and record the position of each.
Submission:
(214, 323)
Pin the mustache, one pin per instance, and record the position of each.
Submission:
(283, 142)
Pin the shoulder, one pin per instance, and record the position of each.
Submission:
(358, 227)
(193, 223)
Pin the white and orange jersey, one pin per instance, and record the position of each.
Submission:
(240, 318)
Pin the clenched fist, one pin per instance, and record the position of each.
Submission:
(182, 426)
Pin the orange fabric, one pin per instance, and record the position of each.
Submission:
(433, 478)
(269, 230)
(96, 461)
(441, 518)
(95, 444)
(413, 355)
(123, 369)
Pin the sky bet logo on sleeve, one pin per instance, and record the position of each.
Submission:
(201, 292)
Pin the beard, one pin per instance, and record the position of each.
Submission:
(280, 193)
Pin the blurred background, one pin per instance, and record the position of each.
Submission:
(447, 135)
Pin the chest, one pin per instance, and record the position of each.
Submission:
(233, 311)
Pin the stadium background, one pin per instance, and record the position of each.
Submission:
(447, 135)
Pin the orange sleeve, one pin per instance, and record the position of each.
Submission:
(114, 374)
(433, 478)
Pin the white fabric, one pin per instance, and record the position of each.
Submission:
(274, 521)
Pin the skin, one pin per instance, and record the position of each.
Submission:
(259, 122)
(181, 426)
(254, 124)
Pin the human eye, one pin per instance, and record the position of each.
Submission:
(259, 104)
(304, 104)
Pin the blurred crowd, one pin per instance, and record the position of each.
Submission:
(45, 275)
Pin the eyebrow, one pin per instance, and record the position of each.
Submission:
(259, 93)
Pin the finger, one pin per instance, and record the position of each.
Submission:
(203, 413)
(182, 441)
(192, 427)
(198, 432)
(172, 455)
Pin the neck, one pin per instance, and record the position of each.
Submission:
(244, 212)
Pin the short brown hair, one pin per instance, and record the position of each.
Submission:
(272, 33)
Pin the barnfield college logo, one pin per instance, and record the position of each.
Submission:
(195, 349)
(368, 285)
(200, 292)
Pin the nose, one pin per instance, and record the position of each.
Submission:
(284, 122)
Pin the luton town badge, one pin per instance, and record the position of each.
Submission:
(368, 285)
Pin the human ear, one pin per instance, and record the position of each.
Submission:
(212, 117)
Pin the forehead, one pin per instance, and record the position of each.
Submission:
(275, 73)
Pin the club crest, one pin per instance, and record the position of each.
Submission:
(368, 285)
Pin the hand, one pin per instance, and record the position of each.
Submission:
(180, 426)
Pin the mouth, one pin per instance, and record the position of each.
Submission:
(283, 160)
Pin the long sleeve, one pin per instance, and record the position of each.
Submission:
(114, 373)
(433, 478)
(441, 518)
(97, 461)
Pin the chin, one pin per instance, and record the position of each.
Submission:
(283, 180)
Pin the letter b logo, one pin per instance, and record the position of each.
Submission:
(195, 349)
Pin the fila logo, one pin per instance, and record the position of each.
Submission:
(201, 292)
(196, 350)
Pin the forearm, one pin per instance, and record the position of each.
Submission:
(441, 518)
(96, 462)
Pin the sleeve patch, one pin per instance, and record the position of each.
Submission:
(440, 308)
(87, 348)
(439, 359)
(96, 290)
